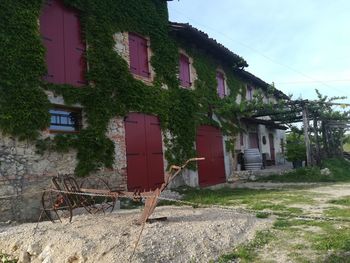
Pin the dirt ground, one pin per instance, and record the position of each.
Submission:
(189, 235)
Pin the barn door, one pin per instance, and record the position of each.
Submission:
(209, 145)
(144, 152)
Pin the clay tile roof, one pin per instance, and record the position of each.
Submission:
(196, 36)
(259, 83)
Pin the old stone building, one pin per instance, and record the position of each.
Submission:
(119, 92)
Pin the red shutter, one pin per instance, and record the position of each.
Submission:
(138, 52)
(60, 30)
(143, 57)
(51, 30)
(184, 75)
(74, 46)
(221, 84)
(133, 53)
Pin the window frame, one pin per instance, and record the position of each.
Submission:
(77, 110)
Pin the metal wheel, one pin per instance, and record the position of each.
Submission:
(56, 206)
(97, 204)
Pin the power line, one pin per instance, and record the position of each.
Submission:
(259, 53)
(310, 81)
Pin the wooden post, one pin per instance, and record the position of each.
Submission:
(325, 138)
(318, 148)
(306, 136)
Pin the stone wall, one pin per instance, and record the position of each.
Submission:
(25, 173)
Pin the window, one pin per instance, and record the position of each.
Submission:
(249, 93)
(241, 138)
(61, 34)
(184, 74)
(220, 78)
(65, 120)
(138, 51)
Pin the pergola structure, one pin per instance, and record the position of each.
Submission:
(327, 128)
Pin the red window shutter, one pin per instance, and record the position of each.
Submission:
(51, 31)
(143, 57)
(133, 53)
(184, 74)
(74, 46)
(61, 33)
(221, 84)
(138, 52)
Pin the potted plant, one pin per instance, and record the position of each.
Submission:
(295, 149)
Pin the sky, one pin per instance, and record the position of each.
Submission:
(299, 45)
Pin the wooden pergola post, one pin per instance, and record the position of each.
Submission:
(306, 135)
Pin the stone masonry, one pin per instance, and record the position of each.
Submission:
(24, 174)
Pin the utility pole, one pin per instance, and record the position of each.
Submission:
(306, 135)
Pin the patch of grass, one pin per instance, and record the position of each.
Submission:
(262, 215)
(337, 212)
(282, 223)
(276, 200)
(337, 258)
(334, 239)
(248, 252)
(126, 203)
(299, 257)
(342, 201)
(338, 167)
(4, 258)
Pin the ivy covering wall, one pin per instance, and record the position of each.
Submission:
(112, 90)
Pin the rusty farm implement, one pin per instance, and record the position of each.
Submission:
(94, 195)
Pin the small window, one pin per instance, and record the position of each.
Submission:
(65, 120)
(249, 93)
(184, 74)
(138, 51)
(220, 78)
(241, 138)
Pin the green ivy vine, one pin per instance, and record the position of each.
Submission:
(112, 90)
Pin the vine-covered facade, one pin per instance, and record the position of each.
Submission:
(112, 88)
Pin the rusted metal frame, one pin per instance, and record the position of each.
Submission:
(70, 195)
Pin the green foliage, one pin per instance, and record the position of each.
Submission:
(339, 173)
(112, 90)
(23, 105)
(296, 150)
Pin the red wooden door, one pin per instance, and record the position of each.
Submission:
(272, 147)
(253, 140)
(144, 152)
(209, 145)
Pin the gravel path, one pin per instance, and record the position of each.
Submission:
(188, 234)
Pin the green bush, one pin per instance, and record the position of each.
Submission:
(295, 147)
